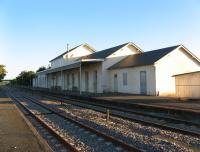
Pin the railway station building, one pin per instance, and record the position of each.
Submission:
(124, 68)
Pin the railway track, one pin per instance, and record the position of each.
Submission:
(79, 136)
(164, 122)
(145, 137)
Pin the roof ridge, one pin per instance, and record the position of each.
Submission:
(70, 50)
(105, 52)
(114, 46)
(175, 46)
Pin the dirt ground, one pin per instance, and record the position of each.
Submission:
(15, 135)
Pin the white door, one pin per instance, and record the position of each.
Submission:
(86, 81)
(95, 81)
(68, 81)
(115, 83)
(143, 83)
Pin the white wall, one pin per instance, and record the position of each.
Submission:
(90, 69)
(47, 81)
(133, 79)
(113, 59)
(188, 85)
(76, 79)
(173, 63)
(40, 81)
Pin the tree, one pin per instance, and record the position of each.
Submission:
(41, 69)
(2, 72)
(24, 78)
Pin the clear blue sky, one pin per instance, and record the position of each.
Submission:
(34, 31)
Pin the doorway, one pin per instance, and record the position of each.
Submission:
(95, 81)
(143, 83)
(115, 83)
(86, 81)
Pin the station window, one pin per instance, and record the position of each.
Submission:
(125, 79)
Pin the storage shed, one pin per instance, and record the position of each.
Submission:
(188, 85)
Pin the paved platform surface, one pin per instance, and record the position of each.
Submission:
(15, 135)
(191, 105)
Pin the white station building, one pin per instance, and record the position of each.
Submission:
(124, 68)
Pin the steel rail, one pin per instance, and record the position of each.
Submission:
(66, 144)
(162, 126)
(107, 137)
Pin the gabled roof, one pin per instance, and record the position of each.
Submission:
(105, 53)
(72, 50)
(146, 58)
(186, 73)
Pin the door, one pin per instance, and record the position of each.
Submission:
(95, 81)
(86, 81)
(73, 80)
(68, 81)
(143, 83)
(79, 84)
(115, 83)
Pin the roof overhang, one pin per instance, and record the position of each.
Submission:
(186, 73)
(118, 68)
(190, 53)
(74, 65)
(92, 60)
(138, 48)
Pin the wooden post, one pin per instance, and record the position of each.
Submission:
(107, 115)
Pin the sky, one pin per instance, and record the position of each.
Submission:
(32, 32)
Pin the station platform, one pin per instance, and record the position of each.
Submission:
(154, 101)
(169, 105)
(15, 134)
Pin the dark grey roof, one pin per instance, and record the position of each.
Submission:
(104, 53)
(146, 58)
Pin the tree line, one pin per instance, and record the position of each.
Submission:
(25, 78)
(2, 72)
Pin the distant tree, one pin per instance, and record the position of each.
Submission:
(41, 69)
(13, 81)
(24, 78)
(2, 72)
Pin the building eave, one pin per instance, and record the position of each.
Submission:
(92, 50)
(186, 73)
